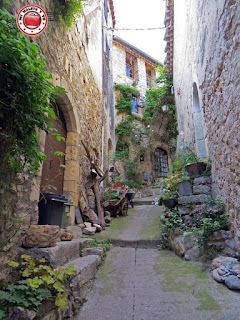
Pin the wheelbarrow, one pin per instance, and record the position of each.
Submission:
(117, 206)
(130, 196)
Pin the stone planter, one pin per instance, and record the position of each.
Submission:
(196, 169)
(185, 188)
(170, 203)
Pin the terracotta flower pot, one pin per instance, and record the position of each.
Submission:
(196, 169)
(170, 203)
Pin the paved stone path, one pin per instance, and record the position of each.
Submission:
(138, 283)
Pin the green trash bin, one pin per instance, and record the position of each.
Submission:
(66, 211)
(51, 208)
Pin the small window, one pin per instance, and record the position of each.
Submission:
(134, 105)
(130, 65)
(149, 75)
(161, 162)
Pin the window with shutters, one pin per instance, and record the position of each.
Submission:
(149, 75)
(130, 65)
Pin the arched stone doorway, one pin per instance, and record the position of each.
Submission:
(52, 179)
(160, 163)
(198, 125)
(70, 177)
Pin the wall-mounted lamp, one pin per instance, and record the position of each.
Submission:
(165, 108)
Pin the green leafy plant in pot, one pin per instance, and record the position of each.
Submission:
(169, 198)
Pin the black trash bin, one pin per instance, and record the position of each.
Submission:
(51, 209)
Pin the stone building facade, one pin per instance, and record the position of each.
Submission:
(133, 67)
(206, 84)
(78, 59)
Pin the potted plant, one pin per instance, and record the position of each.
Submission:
(196, 169)
(195, 166)
(169, 199)
(184, 184)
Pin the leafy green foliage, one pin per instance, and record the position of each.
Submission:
(125, 96)
(22, 294)
(108, 195)
(133, 184)
(123, 106)
(123, 129)
(68, 11)
(213, 220)
(205, 220)
(132, 171)
(105, 244)
(168, 194)
(25, 99)
(40, 281)
(127, 132)
(127, 92)
(122, 155)
(157, 97)
(181, 160)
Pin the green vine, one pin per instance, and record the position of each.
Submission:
(205, 221)
(39, 281)
(25, 100)
(127, 131)
(157, 97)
(68, 11)
(124, 104)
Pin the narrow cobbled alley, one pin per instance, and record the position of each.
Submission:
(139, 282)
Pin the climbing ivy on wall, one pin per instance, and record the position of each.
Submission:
(126, 93)
(67, 11)
(25, 101)
(126, 133)
(157, 97)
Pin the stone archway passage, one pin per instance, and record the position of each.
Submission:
(198, 125)
(53, 174)
(161, 162)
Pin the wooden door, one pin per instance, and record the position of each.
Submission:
(53, 173)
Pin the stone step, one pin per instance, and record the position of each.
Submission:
(64, 252)
(199, 198)
(144, 244)
(86, 268)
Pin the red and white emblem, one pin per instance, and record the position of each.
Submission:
(32, 20)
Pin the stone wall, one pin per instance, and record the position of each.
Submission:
(119, 69)
(206, 77)
(67, 59)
